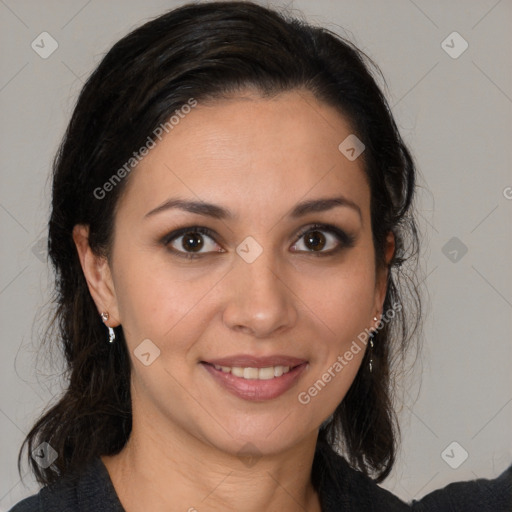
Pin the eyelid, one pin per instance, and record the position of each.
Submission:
(167, 239)
(346, 240)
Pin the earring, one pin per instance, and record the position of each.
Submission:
(372, 336)
(111, 333)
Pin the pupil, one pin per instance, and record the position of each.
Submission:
(315, 239)
(192, 241)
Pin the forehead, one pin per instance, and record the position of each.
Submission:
(251, 154)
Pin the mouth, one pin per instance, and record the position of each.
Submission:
(256, 379)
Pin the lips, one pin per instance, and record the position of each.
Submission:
(256, 378)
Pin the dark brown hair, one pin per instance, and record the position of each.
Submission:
(207, 51)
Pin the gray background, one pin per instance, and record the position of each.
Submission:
(455, 113)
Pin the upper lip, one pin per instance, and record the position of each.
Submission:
(248, 361)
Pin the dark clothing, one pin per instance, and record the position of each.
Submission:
(476, 495)
(341, 489)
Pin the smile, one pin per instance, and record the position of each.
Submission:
(255, 373)
(256, 383)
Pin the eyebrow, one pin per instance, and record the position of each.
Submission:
(218, 212)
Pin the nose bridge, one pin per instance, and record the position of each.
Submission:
(259, 301)
(257, 269)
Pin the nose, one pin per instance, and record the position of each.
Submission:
(260, 298)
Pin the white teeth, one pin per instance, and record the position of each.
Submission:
(237, 371)
(251, 373)
(255, 373)
(278, 371)
(266, 373)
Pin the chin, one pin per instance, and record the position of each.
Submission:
(255, 437)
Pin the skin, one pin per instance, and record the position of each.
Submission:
(258, 158)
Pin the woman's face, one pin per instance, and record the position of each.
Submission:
(264, 289)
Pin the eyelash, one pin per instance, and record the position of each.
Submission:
(345, 240)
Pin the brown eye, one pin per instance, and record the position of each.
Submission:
(315, 240)
(193, 240)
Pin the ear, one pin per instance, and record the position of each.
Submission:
(382, 273)
(98, 276)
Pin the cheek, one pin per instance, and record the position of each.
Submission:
(156, 301)
(341, 308)
(343, 299)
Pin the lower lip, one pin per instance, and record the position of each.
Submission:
(255, 389)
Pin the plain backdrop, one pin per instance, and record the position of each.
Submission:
(453, 106)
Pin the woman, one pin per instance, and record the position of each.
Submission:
(230, 229)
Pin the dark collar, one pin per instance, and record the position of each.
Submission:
(340, 488)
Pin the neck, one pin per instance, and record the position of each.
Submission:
(162, 469)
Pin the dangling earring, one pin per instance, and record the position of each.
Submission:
(372, 335)
(111, 333)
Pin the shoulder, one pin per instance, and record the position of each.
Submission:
(82, 490)
(30, 504)
(479, 495)
(343, 488)
(60, 495)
